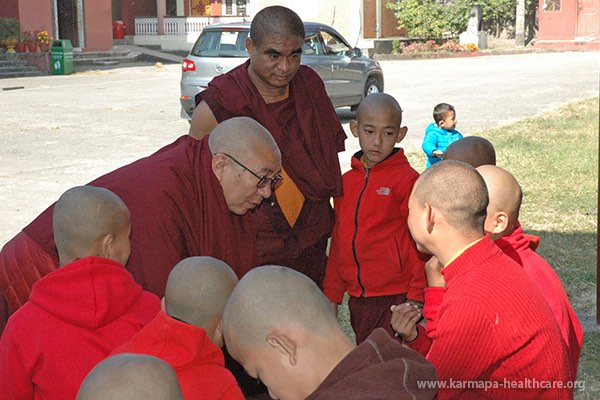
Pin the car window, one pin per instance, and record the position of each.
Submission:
(312, 44)
(333, 44)
(221, 43)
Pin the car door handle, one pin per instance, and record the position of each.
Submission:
(334, 67)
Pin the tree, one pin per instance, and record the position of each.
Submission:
(424, 18)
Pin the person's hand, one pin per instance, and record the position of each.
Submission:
(433, 271)
(438, 153)
(404, 320)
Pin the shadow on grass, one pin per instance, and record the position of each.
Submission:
(573, 257)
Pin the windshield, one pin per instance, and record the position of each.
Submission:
(222, 43)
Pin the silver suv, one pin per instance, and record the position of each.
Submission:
(348, 75)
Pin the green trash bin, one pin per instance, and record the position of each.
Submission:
(61, 57)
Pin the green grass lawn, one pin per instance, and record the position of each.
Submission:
(554, 156)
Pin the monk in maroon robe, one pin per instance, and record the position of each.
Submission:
(290, 100)
(187, 199)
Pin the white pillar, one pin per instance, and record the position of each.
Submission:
(520, 24)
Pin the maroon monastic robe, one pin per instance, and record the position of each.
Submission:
(309, 135)
(177, 210)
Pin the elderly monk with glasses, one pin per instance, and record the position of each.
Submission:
(188, 199)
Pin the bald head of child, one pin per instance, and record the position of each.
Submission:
(506, 196)
(131, 377)
(447, 209)
(282, 329)
(474, 150)
(378, 127)
(91, 221)
(196, 293)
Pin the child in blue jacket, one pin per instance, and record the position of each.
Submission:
(441, 133)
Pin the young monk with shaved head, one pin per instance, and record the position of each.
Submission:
(503, 227)
(78, 313)
(131, 377)
(372, 255)
(282, 329)
(187, 199)
(290, 100)
(494, 326)
(187, 332)
(474, 150)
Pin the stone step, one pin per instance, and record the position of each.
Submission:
(14, 68)
(103, 59)
(20, 73)
(100, 54)
(10, 63)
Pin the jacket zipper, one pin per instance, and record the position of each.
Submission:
(362, 288)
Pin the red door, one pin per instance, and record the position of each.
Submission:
(588, 18)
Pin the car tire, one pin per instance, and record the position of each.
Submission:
(373, 85)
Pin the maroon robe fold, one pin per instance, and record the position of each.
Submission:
(177, 210)
(309, 135)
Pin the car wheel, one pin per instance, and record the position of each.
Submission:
(373, 85)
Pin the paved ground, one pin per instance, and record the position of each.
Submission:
(61, 131)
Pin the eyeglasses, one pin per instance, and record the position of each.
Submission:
(263, 181)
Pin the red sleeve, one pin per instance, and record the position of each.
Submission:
(433, 300)
(422, 343)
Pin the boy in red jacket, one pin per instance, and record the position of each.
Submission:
(502, 224)
(186, 333)
(78, 313)
(372, 255)
(495, 336)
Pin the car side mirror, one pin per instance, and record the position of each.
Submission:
(357, 52)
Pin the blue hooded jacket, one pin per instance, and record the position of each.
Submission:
(437, 138)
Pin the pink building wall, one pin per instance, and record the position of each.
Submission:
(9, 8)
(558, 25)
(98, 25)
(36, 15)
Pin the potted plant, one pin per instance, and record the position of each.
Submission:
(10, 31)
(30, 41)
(43, 40)
(21, 46)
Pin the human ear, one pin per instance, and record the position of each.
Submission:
(218, 164)
(250, 45)
(429, 216)
(500, 220)
(106, 246)
(284, 345)
(354, 127)
(401, 133)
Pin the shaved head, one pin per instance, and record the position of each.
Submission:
(83, 216)
(238, 136)
(504, 191)
(377, 101)
(473, 150)
(457, 190)
(275, 21)
(272, 296)
(197, 290)
(131, 377)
